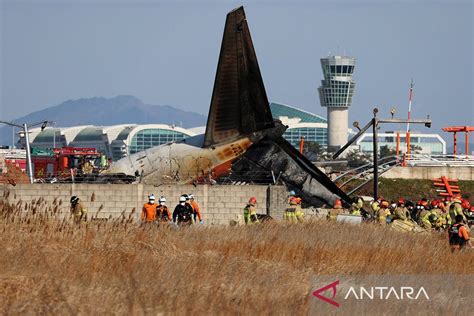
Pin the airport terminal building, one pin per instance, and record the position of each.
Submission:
(119, 141)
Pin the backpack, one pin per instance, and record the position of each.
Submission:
(454, 238)
(185, 213)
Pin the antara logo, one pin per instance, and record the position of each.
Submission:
(371, 293)
(386, 293)
(332, 286)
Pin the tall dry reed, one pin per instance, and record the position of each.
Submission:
(49, 265)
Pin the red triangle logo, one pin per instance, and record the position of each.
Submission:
(332, 286)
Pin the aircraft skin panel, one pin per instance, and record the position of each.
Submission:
(239, 104)
(181, 163)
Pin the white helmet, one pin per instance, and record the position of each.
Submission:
(151, 197)
(162, 199)
(182, 198)
(191, 196)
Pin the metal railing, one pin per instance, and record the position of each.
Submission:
(423, 160)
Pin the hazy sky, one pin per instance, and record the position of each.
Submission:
(165, 52)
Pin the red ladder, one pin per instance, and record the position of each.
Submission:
(447, 188)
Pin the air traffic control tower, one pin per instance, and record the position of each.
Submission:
(335, 93)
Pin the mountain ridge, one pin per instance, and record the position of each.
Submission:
(102, 111)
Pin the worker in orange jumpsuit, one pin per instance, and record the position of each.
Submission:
(458, 235)
(149, 210)
(197, 210)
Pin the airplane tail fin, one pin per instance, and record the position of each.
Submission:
(239, 103)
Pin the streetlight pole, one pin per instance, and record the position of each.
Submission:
(375, 156)
(28, 154)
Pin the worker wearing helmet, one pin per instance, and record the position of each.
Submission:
(78, 211)
(375, 206)
(148, 214)
(299, 211)
(196, 209)
(436, 215)
(383, 212)
(400, 212)
(444, 214)
(182, 214)
(290, 212)
(356, 206)
(163, 213)
(424, 216)
(455, 208)
(336, 210)
(250, 211)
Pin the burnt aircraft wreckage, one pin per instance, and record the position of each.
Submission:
(240, 133)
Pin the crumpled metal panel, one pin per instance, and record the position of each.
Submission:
(295, 170)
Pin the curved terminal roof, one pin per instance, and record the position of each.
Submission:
(48, 135)
(283, 110)
(89, 134)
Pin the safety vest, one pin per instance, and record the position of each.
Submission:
(250, 214)
(162, 213)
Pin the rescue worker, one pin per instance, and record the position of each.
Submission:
(356, 207)
(383, 212)
(148, 214)
(455, 208)
(182, 214)
(163, 214)
(400, 212)
(375, 206)
(197, 210)
(336, 210)
(436, 216)
(458, 234)
(424, 216)
(190, 207)
(290, 212)
(444, 214)
(78, 211)
(299, 211)
(250, 211)
(412, 211)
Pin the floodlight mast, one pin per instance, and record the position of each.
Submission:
(374, 122)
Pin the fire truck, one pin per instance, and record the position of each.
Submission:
(13, 166)
(65, 163)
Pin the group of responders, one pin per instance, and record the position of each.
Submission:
(455, 215)
(186, 213)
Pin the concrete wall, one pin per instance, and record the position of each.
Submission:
(460, 173)
(219, 203)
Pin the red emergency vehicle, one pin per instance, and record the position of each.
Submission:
(66, 162)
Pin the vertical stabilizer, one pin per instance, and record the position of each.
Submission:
(239, 103)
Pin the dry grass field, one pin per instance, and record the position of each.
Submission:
(49, 265)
